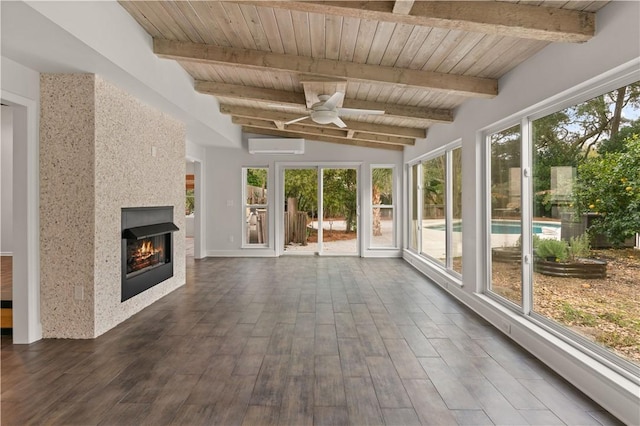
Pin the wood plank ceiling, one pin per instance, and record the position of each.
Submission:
(268, 62)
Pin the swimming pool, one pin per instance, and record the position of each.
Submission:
(511, 227)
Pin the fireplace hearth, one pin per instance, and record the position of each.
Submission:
(147, 242)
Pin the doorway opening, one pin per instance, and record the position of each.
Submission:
(321, 210)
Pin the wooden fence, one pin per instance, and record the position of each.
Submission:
(295, 228)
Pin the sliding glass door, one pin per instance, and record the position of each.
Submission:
(321, 210)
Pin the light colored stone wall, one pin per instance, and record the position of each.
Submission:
(127, 175)
(67, 207)
(96, 158)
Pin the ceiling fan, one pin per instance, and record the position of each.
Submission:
(327, 111)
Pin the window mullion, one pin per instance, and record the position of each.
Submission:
(527, 215)
(448, 205)
(320, 208)
(420, 207)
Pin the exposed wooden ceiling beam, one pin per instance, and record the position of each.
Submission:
(250, 93)
(381, 129)
(281, 133)
(403, 111)
(489, 17)
(255, 59)
(323, 131)
(403, 7)
(298, 99)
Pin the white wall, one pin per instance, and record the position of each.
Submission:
(224, 189)
(6, 182)
(556, 69)
(100, 37)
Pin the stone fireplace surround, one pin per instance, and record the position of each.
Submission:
(101, 150)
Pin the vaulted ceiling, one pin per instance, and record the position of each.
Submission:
(268, 62)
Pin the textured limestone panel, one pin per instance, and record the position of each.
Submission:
(96, 145)
(67, 208)
(127, 174)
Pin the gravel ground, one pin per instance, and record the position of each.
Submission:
(606, 311)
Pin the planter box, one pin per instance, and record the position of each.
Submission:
(589, 269)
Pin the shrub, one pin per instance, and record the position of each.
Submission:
(579, 246)
(557, 249)
(610, 186)
(535, 239)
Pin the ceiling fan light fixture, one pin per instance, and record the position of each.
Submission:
(324, 117)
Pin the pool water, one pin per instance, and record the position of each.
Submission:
(504, 227)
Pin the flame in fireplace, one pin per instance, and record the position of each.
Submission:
(146, 250)
(144, 254)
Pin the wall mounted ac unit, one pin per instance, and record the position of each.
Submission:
(276, 146)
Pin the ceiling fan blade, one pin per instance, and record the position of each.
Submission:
(296, 120)
(334, 100)
(285, 106)
(355, 111)
(339, 122)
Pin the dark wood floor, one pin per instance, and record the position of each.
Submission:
(6, 278)
(292, 341)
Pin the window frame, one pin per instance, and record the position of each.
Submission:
(392, 206)
(568, 98)
(447, 151)
(246, 244)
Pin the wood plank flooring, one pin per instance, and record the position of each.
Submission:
(6, 278)
(6, 294)
(291, 341)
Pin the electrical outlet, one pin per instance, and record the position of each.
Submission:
(506, 327)
(78, 292)
(231, 239)
(229, 203)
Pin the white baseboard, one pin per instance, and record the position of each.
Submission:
(382, 253)
(241, 253)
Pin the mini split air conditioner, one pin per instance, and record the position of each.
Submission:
(276, 146)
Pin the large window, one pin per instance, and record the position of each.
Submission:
(256, 224)
(382, 207)
(434, 237)
(456, 210)
(414, 223)
(505, 214)
(435, 208)
(576, 198)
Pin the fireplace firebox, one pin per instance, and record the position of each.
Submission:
(147, 242)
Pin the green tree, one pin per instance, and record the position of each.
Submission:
(505, 155)
(610, 186)
(433, 181)
(568, 137)
(381, 193)
(302, 185)
(617, 143)
(340, 187)
(257, 177)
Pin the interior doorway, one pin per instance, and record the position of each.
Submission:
(6, 219)
(321, 211)
(190, 210)
(25, 268)
(194, 209)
